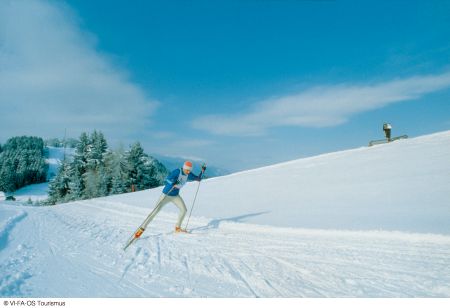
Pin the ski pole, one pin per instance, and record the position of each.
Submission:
(195, 197)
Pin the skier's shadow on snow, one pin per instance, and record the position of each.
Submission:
(215, 223)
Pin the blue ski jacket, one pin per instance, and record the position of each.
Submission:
(177, 178)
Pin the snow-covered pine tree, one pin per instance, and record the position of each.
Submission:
(7, 176)
(91, 180)
(159, 171)
(95, 179)
(59, 188)
(113, 163)
(131, 163)
(104, 180)
(96, 150)
(117, 185)
(142, 171)
(81, 153)
(24, 158)
(96, 171)
(78, 168)
(76, 185)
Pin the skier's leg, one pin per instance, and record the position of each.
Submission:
(182, 207)
(163, 200)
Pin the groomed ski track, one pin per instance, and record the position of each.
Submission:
(82, 256)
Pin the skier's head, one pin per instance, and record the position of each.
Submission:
(187, 167)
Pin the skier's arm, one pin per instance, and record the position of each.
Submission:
(193, 177)
(172, 178)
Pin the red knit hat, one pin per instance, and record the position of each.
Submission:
(187, 165)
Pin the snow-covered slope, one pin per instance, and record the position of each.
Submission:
(401, 186)
(33, 193)
(360, 223)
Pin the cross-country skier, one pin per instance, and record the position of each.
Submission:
(174, 182)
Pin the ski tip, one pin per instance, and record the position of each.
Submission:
(128, 245)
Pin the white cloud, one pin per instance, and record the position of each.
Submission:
(52, 77)
(321, 106)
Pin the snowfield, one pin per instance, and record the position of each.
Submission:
(368, 222)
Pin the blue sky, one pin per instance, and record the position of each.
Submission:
(239, 84)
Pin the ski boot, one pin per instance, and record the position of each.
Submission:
(179, 230)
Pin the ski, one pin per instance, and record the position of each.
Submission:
(399, 137)
(136, 235)
(375, 142)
